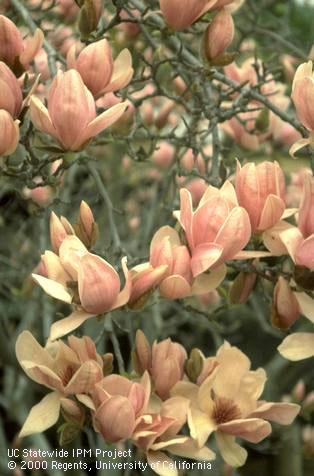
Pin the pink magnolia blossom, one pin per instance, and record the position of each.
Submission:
(261, 191)
(217, 230)
(82, 278)
(98, 70)
(14, 50)
(71, 115)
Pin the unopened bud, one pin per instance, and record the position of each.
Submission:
(89, 17)
(218, 36)
(87, 228)
(194, 365)
(285, 308)
(241, 287)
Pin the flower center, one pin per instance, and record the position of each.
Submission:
(66, 374)
(225, 410)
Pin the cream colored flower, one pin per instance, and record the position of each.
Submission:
(67, 370)
(226, 404)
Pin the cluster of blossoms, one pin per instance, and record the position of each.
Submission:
(71, 117)
(166, 391)
(224, 228)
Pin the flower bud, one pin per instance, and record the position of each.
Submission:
(167, 366)
(98, 283)
(218, 36)
(9, 133)
(142, 355)
(87, 228)
(57, 232)
(194, 365)
(285, 308)
(306, 210)
(90, 14)
(241, 288)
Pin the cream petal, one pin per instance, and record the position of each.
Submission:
(297, 346)
(272, 212)
(165, 232)
(232, 453)
(204, 256)
(247, 254)
(298, 145)
(291, 238)
(272, 240)
(253, 430)
(84, 378)
(52, 288)
(185, 389)
(32, 46)
(86, 400)
(68, 324)
(189, 449)
(306, 304)
(186, 214)
(40, 117)
(101, 122)
(174, 287)
(124, 295)
(27, 348)
(204, 283)
(161, 463)
(282, 413)
(122, 72)
(201, 425)
(168, 443)
(42, 375)
(55, 270)
(42, 416)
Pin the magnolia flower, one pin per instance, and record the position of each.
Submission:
(178, 282)
(9, 133)
(226, 403)
(98, 70)
(164, 361)
(71, 115)
(67, 370)
(261, 191)
(157, 431)
(217, 230)
(117, 404)
(79, 277)
(298, 242)
(14, 50)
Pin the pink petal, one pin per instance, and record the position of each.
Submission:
(204, 256)
(282, 413)
(174, 287)
(272, 212)
(101, 122)
(235, 233)
(251, 429)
